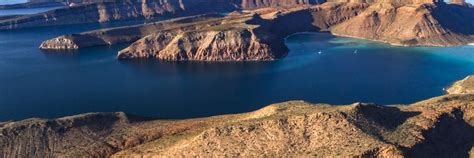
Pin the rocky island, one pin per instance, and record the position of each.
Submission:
(438, 127)
(259, 34)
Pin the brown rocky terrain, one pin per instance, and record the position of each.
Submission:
(464, 86)
(411, 25)
(253, 35)
(438, 127)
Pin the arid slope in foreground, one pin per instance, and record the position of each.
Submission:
(437, 127)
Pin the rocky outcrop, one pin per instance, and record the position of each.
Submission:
(235, 44)
(438, 127)
(234, 38)
(465, 86)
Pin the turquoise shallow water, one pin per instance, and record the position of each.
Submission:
(41, 84)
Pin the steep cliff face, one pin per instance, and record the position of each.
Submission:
(236, 44)
(438, 127)
(230, 39)
(411, 25)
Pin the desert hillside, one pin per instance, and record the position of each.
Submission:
(437, 127)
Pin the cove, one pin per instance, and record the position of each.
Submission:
(320, 68)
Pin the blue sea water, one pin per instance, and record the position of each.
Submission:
(320, 68)
(3, 2)
(24, 11)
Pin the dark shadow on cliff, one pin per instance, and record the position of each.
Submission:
(457, 18)
(99, 122)
(380, 121)
(282, 27)
(451, 137)
(385, 116)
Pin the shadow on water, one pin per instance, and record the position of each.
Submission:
(197, 68)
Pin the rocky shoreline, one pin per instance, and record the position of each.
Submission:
(464, 86)
(402, 24)
(438, 127)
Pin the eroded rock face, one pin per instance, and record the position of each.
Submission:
(236, 41)
(465, 86)
(415, 25)
(237, 44)
(442, 126)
